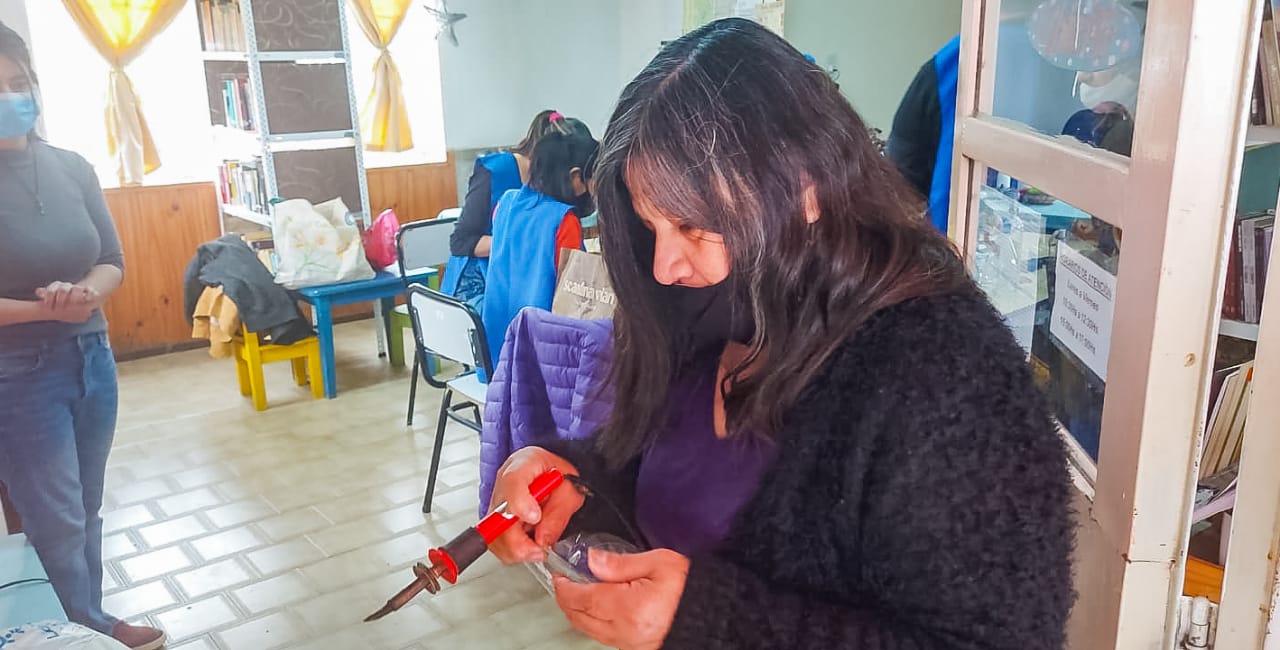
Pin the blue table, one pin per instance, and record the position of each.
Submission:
(382, 289)
(30, 602)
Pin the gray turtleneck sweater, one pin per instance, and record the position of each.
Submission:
(63, 242)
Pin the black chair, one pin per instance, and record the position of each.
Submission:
(450, 329)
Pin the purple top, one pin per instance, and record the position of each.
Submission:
(691, 483)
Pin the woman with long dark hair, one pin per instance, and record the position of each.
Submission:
(822, 428)
(60, 260)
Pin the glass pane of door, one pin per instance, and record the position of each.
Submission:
(1071, 67)
(1050, 270)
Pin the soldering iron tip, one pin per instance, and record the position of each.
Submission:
(386, 609)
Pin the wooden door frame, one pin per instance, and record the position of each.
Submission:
(1170, 198)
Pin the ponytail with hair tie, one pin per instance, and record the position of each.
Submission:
(546, 123)
(559, 123)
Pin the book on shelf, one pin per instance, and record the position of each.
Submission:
(1224, 431)
(1265, 107)
(1215, 494)
(1258, 103)
(221, 25)
(242, 183)
(238, 103)
(263, 245)
(1232, 298)
(1250, 254)
(259, 240)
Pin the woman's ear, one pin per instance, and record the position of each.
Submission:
(575, 177)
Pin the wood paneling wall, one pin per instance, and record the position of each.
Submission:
(161, 226)
(416, 192)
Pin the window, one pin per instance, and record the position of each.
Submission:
(168, 78)
(417, 56)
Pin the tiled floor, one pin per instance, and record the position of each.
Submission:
(240, 530)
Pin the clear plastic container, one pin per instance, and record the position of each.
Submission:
(568, 557)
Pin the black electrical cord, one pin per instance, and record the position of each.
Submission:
(25, 581)
(585, 490)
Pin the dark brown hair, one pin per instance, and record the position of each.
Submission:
(725, 131)
(12, 46)
(567, 146)
(541, 125)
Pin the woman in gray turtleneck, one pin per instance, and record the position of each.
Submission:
(60, 260)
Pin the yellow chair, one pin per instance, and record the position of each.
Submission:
(251, 354)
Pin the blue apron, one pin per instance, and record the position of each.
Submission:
(522, 264)
(504, 174)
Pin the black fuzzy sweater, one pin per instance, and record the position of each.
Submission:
(919, 501)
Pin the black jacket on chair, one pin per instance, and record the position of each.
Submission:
(920, 500)
(265, 307)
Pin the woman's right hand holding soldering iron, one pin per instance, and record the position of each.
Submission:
(542, 524)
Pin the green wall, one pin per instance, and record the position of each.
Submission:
(1259, 180)
(877, 45)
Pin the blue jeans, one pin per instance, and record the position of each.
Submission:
(58, 405)
(471, 287)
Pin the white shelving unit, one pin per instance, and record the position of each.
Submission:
(1239, 330)
(305, 137)
(242, 212)
(1262, 135)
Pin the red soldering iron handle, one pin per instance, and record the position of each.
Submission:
(462, 551)
(499, 521)
(547, 482)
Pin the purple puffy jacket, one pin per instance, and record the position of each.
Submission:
(551, 381)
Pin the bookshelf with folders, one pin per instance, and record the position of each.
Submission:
(1253, 232)
(1249, 258)
(278, 77)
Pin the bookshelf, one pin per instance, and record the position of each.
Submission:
(1261, 135)
(1239, 330)
(1237, 451)
(1169, 350)
(1249, 253)
(280, 98)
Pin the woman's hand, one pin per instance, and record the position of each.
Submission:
(541, 525)
(634, 606)
(69, 303)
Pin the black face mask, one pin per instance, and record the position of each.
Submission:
(711, 316)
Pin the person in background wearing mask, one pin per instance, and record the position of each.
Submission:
(472, 238)
(533, 223)
(60, 260)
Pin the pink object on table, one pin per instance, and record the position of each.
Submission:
(380, 240)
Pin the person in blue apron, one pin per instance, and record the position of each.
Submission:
(1027, 89)
(532, 224)
(494, 174)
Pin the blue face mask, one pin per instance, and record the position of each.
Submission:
(18, 112)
